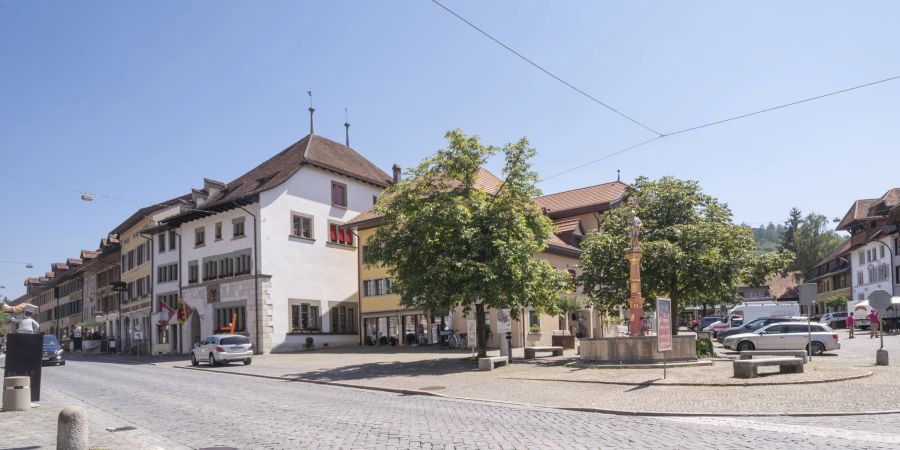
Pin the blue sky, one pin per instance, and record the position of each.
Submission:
(141, 100)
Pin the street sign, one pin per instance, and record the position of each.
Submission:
(808, 292)
(663, 325)
(880, 300)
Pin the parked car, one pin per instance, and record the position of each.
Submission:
(699, 324)
(52, 353)
(786, 336)
(833, 319)
(715, 327)
(752, 326)
(222, 349)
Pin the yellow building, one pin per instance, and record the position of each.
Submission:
(574, 212)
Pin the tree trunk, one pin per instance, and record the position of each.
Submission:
(480, 330)
(674, 297)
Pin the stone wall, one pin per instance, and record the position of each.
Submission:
(635, 350)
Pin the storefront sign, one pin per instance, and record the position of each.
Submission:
(663, 325)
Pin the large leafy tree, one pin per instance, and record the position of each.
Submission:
(815, 240)
(693, 252)
(448, 243)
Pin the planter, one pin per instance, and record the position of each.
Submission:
(566, 342)
(637, 350)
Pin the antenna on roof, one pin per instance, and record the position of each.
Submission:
(347, 124)
(618, 175)
(311, 111)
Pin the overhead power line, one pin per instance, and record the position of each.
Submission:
(720, 122)
(547, 72)
(78, 191)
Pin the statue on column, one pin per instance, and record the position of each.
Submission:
(635, 230)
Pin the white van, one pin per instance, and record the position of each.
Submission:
(747, 311)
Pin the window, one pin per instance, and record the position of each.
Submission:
(140, 255)
(338, 194)
(193, 272)
(338, 235)
(374, 199)
(859, 278)
(172, 240)
(304, 317)
(860, 257)
(224, 315)
(365, 254)
(199, 236)
(380, 286)
(167, 273)
(882, 251)
(161, 241)
(534, 319)
(218, 231)
(301, 226)
(342, 320)
(237, 228)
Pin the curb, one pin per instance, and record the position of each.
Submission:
(559, 408)
(868, 373)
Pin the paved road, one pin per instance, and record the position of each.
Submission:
(199, 409)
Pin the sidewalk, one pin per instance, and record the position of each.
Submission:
(844, 382)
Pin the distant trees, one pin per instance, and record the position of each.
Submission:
(791, 225)
(768, 237)
(815, 240)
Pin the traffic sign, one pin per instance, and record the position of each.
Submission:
(808, 293)
(880, 300)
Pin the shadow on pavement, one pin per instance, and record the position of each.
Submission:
(443, 366)
(125, 359)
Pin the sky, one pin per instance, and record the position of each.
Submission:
(137, 102)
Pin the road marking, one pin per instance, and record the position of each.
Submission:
(805, 430)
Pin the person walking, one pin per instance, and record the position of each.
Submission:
(873, 323)
(851, 323)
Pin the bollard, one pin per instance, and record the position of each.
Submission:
(881, 357)
(16, 393)
(72, 429)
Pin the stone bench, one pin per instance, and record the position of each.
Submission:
(530, 351)
(491, 362)
(749, 354)
(747, 368)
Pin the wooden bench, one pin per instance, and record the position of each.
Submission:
(749, 354)
(491, 362)
(747, 368)
(530, 351)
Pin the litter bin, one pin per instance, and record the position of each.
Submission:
(16, 393)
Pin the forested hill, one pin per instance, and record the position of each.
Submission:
(768, 237)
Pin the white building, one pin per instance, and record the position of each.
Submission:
(268, 249)
(873, 246)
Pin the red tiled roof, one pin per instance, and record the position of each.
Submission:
(596, 197)
(566, 225)
(859, 210)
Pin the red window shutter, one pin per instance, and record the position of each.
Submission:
(341, 237)
(333, 230)
(349, 237)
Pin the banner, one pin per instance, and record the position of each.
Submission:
(663, 325)
(504, 321)
(184, 311)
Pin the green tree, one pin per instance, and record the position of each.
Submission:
(815, 240)
(447, 243)
(791, 225)
(693, 252)
(837, 303)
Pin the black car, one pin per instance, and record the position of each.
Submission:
(751, 326)
(52, 352)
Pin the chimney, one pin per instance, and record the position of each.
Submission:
(396, 169)
(618, 175)
(347, 125)
(213, 187)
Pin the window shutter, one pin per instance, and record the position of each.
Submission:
(341, 238)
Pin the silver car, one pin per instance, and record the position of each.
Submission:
(786, 336)
(222, 349)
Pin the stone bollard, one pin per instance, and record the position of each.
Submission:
(72, 429)
(881, 357)
(16, 393)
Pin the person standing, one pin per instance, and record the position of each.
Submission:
(851, 323)
(873, 323)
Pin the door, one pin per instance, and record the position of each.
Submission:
(773, 339)
(195, 328)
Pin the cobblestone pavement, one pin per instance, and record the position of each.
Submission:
(547, 382)
(173, 407)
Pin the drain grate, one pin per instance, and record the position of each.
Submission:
(116, 430)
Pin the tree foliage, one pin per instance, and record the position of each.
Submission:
(768, 238)
(815, 240)
(447, 243)
(693, 252)
(791, 225)
(837, 302)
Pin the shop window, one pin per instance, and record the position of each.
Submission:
(304, 317)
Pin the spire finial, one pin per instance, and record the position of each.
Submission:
(311, 111)
(347, 124)
(618, 175)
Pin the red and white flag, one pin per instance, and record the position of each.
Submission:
(166, 313)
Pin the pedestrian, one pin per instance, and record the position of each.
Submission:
(851, 323)
(112, 345)
(873, 323)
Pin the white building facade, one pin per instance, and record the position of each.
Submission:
(872, 268)
(267, 250)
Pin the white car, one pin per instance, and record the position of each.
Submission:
(786, 336)
(839, 316)
(222, 349)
